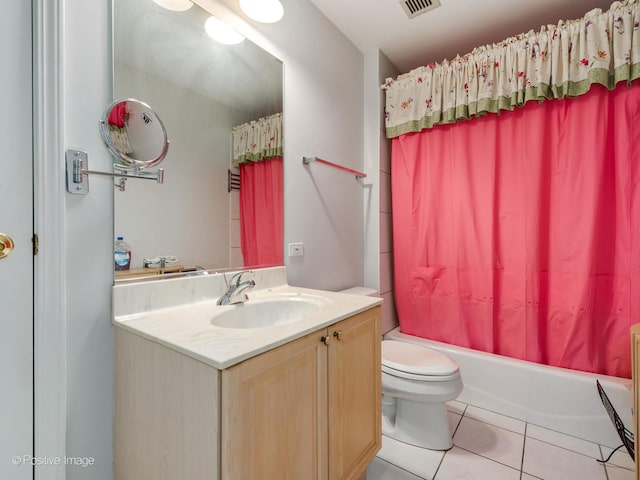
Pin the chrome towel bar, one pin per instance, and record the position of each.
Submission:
(307, 160)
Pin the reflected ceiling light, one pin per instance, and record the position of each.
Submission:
(222, 32)
(263, 11)
(175, 5)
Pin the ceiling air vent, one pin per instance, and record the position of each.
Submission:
(413, 8)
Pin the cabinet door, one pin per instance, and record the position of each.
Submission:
(274, 414)
(354, 394)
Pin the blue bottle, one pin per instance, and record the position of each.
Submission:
(122, 254)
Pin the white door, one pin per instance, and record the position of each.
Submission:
(16, 221)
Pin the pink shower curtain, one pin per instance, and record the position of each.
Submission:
(519, 234)
(261, 209)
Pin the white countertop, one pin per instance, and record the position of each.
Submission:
(187, 328)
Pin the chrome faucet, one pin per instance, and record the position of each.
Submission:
(236, 289)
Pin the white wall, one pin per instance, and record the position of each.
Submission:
(323, 207)
(88, 241)
(323, 117)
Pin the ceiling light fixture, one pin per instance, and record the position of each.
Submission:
(175, 5)
(222, 32)
(263, 11)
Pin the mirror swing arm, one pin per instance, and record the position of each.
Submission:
(134, 134)
(77, 174)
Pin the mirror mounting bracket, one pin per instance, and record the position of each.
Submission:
(78, 175)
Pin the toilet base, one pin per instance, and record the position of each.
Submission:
(424, 425)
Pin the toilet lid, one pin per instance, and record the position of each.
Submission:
(411, 358)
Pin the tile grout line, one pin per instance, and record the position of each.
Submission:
(487, 458)
(569, 449)
(457, 425)
(403, 469)
(538, 426)
(496, 413)
(526, 435)
(562, 434)
(477, 454)
(524, 444)
(440, 464)
(464, 410)
(606, 472)
(538, 439)
(496, 426)
(613, 465)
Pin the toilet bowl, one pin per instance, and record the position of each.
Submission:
(416, 383)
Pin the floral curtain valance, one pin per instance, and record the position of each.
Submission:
(258, 140)
(559, 61)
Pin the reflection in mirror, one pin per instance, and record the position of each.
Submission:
(134, 134)
(201, 90)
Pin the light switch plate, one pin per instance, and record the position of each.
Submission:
(296, 249)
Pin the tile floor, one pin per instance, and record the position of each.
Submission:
(490, 446)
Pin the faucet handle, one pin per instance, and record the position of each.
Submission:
(237, 278)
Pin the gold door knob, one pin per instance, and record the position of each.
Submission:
(6, 245)
(338, 334)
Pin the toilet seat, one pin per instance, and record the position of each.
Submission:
(420, 378)
(408, 360)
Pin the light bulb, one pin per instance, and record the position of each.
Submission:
(175, 5)
(222, 32)
(263, 11)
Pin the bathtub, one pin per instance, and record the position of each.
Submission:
(563, 400)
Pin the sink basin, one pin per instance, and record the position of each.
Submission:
(274, 310)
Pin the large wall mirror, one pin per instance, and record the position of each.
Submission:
(201, 90)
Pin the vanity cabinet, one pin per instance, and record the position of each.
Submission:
(309, 409)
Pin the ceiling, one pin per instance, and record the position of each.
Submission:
(456, 27)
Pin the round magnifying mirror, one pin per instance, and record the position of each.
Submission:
(134, 134)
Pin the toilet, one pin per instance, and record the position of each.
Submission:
(416, 383)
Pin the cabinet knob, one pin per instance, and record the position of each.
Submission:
(325, 340)
(338, 334)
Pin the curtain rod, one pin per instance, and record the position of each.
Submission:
(307, 160)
